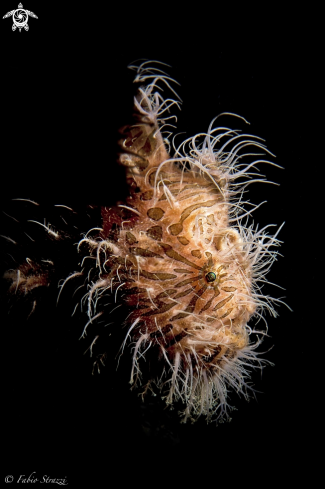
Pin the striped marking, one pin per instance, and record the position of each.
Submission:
(163, 308)
(167, 293)
(160, 333)
(134, 290)
(184, 293)
(226, 313)
(186, 282)
(208, 304)
(211, 319)
(191, 305)
(154, 276)
(176, 339)
(144, 252)
(176, 256)
(177, 228)
(182, 270)
(222, 303)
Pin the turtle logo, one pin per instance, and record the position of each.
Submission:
(20, 18)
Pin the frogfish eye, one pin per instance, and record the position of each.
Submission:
(211, 277)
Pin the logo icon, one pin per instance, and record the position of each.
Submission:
(20, 18)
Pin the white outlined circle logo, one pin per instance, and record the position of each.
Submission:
(20, 18)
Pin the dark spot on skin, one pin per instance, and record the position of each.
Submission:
(175, 229)
(183, 240)
(155, 233)
(155, 213)
(196, 253)
(130, 238)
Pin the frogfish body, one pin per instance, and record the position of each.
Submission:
(178, 256)
(181, 261)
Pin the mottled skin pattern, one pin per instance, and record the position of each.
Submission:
(177, 258)
(172, 257)
(186, 287)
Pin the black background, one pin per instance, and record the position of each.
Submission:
(65, 92)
